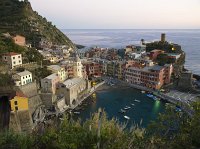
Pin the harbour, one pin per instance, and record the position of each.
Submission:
(123, 103)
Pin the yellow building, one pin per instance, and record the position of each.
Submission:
(19, 102)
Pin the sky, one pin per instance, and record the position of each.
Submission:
(120, 14)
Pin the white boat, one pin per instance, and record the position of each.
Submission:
(137, 100)
(132, 104)
(126, 117)
(76, 112)
(126, 108)
(122, 111)
(143, 92)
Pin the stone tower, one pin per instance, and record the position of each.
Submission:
(77, 68)
(163, 37)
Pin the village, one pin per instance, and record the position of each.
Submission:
(76, 73)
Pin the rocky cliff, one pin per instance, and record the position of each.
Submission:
(18, 17)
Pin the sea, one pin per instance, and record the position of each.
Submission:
(118, 38)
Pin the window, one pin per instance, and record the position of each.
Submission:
(15, 102)
(29, 75)
(19, 61)
(16, 108)
(14, 62)
(18, 56)
(5, 57)
(26, 76)
(13, 57)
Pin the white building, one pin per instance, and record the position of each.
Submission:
(58, 70)
(13, 59)
(22, 78)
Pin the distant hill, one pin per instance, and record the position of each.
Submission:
(18, 17)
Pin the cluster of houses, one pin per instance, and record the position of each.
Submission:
(71, 78)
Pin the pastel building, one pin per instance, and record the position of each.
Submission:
(93, 69)
(22, 78)
(12, 59)
(19, 102)
(72, 89)
(48, 84)
(20, 40)
(153, 77)
(58, 70)
(154, 54)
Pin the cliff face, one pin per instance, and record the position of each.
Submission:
(18, 17)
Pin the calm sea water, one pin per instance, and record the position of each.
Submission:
(188, 39)
(114, 99)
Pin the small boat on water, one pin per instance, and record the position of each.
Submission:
(132, 104)
(143, 92)
(122, 111)
(126, 117)
(127, 107)
(137, 100)
(150, 95)
(76, 112)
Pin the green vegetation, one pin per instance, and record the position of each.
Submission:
(6, 80)
(167, 47)
(163, 59)
(8, 45)
(172, 130)
(17, 17)
(41, 73)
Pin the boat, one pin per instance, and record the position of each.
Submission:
(150, 95)
(76, 112)
(132, 104)
(136, 100)
(122, 111)
(126, 117)
(143, 92)
(155, 98)
(126, 108)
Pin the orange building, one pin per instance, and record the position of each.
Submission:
(19, 40)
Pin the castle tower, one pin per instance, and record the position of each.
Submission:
(162, 37)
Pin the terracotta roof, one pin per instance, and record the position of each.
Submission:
(11, 54)
(20, 94)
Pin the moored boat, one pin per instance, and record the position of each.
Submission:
(137, 100)
(126, 117)
(76, 112)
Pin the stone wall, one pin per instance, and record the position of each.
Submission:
(21, 121)
(185, 81)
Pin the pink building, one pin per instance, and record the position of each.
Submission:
(154, 54)
(49, 83)
(149, 76)
(19, 40)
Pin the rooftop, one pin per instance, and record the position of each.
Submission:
(24, 73)
(54, 67)
(52, 76)
(11, 54)
(71, 82)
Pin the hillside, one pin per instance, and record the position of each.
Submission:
(18, 17)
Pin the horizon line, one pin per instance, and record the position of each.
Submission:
(128, 29)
